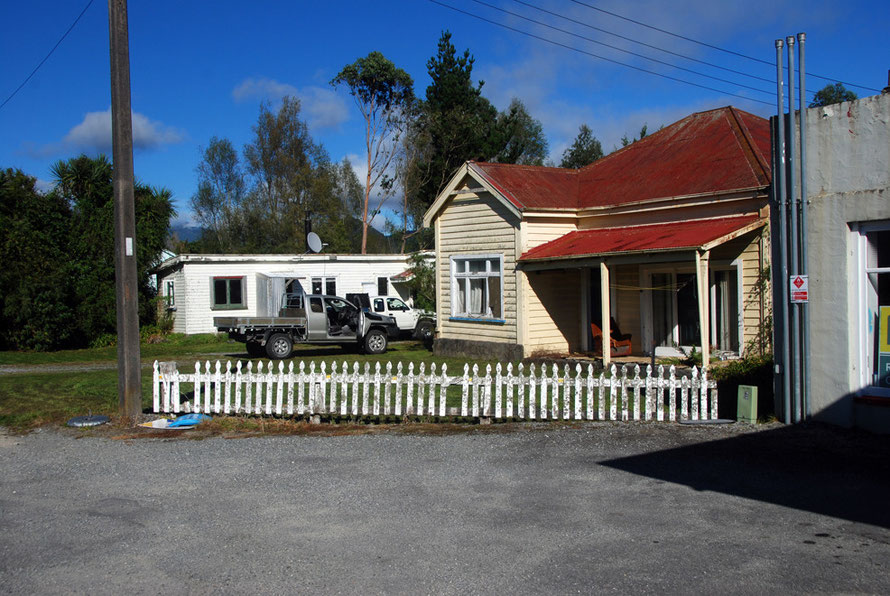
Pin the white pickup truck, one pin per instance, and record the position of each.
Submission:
(410, 321)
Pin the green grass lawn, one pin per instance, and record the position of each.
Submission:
(49, 388)
(54, 392)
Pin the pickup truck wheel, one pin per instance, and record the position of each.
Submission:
(375, 342)
(424, 332)
(279, 346)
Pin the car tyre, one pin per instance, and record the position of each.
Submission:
(425, 333)
(375, 342)
(255, 350)
(279, 346)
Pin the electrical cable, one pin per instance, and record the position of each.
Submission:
(36, 68)
(616, 48)
(642, 43)
(713, 47)
(580, 51)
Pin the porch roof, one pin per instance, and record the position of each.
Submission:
(700, 234)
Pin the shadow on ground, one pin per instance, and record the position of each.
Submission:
(812, 467)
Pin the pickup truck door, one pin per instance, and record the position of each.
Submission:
(405, 317)
(316, 319)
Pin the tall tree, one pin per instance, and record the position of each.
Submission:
(521, 136)
(86, 184)
(643, 132)
(585, 150)
(293, 183)
(36, 301)
(383, 94)
(458, 123)
(221, 190)
(830, 94)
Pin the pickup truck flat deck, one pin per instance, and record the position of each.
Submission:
(313, 319)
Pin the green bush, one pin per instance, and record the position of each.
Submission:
(756, 370)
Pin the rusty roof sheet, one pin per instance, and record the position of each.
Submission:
(709, 152)
(683, 235)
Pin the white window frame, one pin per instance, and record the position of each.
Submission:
(455, 275)
(861, 335)
(324, 280)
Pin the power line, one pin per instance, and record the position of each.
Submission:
(618, 62)
(616, 48)
(36, 68)
(642, 43)
(713, 47)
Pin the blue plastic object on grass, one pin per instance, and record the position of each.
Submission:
(188, 420)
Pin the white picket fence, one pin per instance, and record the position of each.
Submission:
(502, 393)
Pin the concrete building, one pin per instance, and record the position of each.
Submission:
(848, 250)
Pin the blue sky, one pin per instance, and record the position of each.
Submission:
(201, 69)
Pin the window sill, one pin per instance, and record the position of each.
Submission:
(478, 320)
(232, 307)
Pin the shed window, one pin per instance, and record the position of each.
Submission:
(324, 285)
(228, 292)
(382, 286)
(170, 295)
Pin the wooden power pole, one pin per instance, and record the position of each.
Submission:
(127, 296)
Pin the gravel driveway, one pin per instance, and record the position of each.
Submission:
(599, 507)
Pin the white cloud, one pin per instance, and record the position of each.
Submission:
(322, 108)
(44, 185)
(94, 133)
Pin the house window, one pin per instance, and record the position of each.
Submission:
(170, 295)
(228, 292)
(874, 261)
(382, 286)
(477, 286)
(324, 285)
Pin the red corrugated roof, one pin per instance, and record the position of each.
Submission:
(709, 152)
(684, 235)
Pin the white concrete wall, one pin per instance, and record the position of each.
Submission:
(848, 182)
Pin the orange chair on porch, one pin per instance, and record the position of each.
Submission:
(617, 347)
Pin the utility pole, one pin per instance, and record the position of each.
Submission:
(126, 291)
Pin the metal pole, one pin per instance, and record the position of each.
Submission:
(125, 277)
(805, 308)
(793, 268)
(779, 182)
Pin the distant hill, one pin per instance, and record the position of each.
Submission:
(185, 233)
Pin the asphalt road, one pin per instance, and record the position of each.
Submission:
(602, 507)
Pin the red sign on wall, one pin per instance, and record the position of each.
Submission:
(799, 286)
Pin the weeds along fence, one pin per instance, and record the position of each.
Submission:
(550, 393)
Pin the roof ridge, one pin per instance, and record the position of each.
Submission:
(750, 149)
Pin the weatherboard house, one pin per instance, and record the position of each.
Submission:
(197, 287)
(665, 239)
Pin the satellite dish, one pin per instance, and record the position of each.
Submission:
(313, 242)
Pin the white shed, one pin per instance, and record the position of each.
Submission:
(197, 288)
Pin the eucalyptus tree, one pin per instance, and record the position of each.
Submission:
(383, 94)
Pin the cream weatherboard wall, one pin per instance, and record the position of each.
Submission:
(544, 329)
(476, 224)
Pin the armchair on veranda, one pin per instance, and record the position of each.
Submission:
(618, 347)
